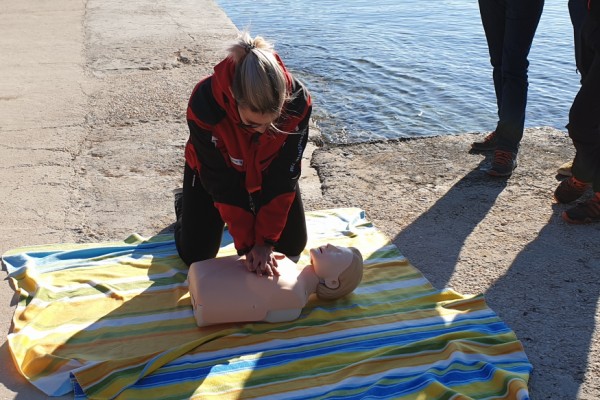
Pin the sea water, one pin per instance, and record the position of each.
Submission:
(391, 69)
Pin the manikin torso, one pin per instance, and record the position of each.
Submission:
(222, 290)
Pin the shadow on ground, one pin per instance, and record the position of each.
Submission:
(554, 310)
(548, 295)
(443, 229)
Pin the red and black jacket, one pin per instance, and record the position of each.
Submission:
(251, 177)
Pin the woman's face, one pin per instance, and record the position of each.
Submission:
(255, 121)
(329, 262)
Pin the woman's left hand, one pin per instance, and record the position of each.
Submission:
(261, 260)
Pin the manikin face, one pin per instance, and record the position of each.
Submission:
(329, 262)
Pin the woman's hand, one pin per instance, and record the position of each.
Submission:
(262, 260)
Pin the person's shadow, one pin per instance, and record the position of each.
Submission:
(433, 241)
(548, 295)
(553, 287)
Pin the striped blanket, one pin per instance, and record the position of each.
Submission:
(114, 320)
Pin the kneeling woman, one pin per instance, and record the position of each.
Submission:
(248, 126)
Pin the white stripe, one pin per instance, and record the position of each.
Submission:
(372, 261)
(392, 286)
(59, 383)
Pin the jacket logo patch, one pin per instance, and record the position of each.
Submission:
(236, 161)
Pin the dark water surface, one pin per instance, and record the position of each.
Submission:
(402, 68)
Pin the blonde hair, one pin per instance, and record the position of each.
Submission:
(259, 81)
(348, 280)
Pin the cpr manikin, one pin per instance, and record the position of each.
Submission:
(223, 290)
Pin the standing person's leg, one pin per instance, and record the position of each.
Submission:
(199, 230)
(493, 20)
(577, 12)
(294, 236)
(584, 116)
(522, 18)
(584, 127)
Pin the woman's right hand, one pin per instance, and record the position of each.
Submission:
(262, 260)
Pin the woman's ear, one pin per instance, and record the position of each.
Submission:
(332, 283)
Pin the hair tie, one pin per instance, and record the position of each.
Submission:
(249, 47)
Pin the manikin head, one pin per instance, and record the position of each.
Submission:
(339, 268)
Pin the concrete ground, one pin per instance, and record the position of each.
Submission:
(92, 123)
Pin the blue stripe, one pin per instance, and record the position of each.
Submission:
(421, 380)
(44, 261)
(276, 354)
(160, 246)
(399, 383)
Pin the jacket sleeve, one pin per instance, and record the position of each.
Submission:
(281, 177)
(224, 184)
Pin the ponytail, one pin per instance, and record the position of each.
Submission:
(259, 82)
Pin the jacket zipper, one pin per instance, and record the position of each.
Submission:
(251, 203)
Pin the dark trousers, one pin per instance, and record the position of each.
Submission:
(584, 116)
(509, 27)
(577, 12)
(199, 230)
